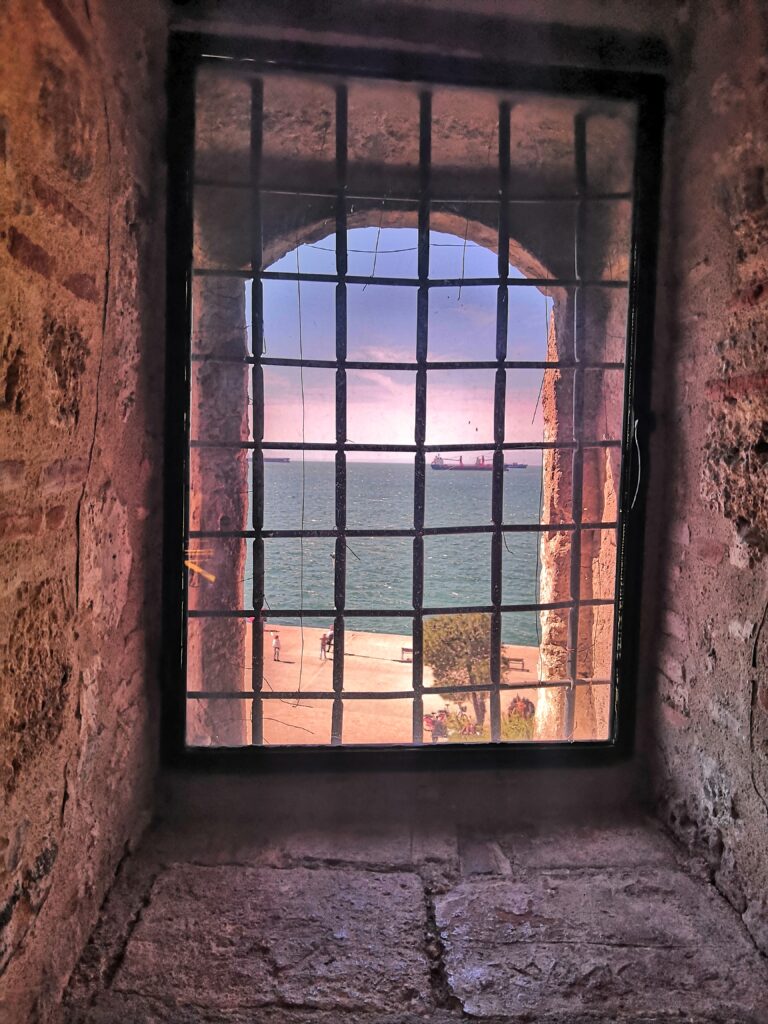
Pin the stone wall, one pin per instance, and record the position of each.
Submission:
(81, 356)
(706, 638)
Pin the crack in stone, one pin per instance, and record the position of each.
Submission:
(434, 948)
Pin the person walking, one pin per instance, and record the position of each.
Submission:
(275, 647)
(324, 647)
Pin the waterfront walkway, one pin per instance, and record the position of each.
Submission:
(373, 663)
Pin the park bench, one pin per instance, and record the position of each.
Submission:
(404, 651)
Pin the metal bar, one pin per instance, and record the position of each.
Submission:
(393, 613)
(387, 694)
(351, 364)
(499, 416)
(465, 198)
(257, 387)
(412, 282)
(422, 346)
(330, 446)
(577, 471)
(248, 55)
(340, 560)
(180, 83)
(428, 531)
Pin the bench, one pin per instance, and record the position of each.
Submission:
(404, 651)
(517, 663)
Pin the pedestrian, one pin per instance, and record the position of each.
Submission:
(275, 647)
(323, 646)
(329, 639)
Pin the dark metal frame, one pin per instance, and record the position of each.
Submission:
(188, 51)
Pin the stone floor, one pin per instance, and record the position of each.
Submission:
(548, 924)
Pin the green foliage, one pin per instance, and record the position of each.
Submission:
(458, 650)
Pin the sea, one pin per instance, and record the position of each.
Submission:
(457, 568)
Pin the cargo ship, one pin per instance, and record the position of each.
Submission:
(480, 463)
(275, 458)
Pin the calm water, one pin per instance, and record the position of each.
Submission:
(457, 569)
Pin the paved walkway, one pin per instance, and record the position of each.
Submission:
(373, 663)
(562, 925)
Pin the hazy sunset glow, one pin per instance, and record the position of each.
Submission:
(300, 320)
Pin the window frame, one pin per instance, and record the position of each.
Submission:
(186, 52)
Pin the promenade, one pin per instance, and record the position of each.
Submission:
(373, 663)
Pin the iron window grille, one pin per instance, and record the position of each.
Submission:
(252, 64)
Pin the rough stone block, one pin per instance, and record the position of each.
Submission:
(28, 253)
(588, 846)
(11, 474)
(20, 525)
(674, 625)
(63, 474)
(83, 286)
(651, 942)
(233, 938)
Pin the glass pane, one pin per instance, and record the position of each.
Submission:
(222, 239)
(382, 250)
(220, 403)
(222, 126)
(299, 133)
(219, 573)
(299, 319)
(379, 573)
(605, 324)
(299, 404)
(383, 128)
(462, 324)
(378, 655)
(460, 411)
(297, 723)
(381, 324)
(463, 240)
(457, 571)
(294, 659)
(456, 498)
(531, 335)
(520, 568)
(465, 141)
(298, 493)
(219, 491)
(381, 406)
(378, 721)
(298, 573)
(379, 494)
(299, 234)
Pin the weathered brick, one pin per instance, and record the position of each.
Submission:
(674, 625)
(11, 473)
(18, 525)
(29, 254)
(62, 475)
(52, 199)
(83, 286)
(54, 517)
(69, 27)
(710, 551)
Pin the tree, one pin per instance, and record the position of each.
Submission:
(458, 650)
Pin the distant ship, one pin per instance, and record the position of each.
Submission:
(275, 458)
(480, 463)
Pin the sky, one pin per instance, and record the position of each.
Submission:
(382, 327)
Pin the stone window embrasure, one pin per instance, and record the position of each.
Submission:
(292, 169)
